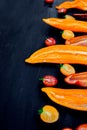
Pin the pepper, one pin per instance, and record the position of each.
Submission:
(78, 40)
(59, 54)
(70, 98)
(80, 16)
(79, 79)
(78, 4)
(67, 24)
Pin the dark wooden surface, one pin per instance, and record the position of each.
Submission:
(21, 33)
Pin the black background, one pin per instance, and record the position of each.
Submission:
(22, 32)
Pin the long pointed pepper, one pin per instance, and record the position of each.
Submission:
(71, 98)
(78, 4)
(59, 54)
(67, 24)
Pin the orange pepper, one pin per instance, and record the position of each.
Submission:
(71, 98)
(78, 4)
(67, 24)
(59, 54)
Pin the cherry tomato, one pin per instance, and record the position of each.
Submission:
(49, 80)
(67, 129)
(49, 1)
(67, 69)
(69, 17)
(67, 34)
(49, 114)
(62, 10)
(50, 41)
(82, 127)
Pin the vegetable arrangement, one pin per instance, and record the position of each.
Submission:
(73, 51)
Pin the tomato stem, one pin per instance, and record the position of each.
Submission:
(41, 79)
(60, 65)
(40, 111)
(61, 32)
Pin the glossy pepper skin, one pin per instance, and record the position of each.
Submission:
(77, 41)
(79, 79)
(80, 16)
(78, 4)
(59, 54)
(67, 24)
(70, 98)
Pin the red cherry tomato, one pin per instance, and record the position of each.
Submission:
(49, 1)
(82, 127)
(50, 41)
(62, 10)
(67, 129)
(49, 80)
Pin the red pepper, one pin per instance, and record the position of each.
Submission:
(79, 79)
(79, 40)
(80, 16)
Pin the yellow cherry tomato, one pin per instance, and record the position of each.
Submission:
(69, 17)
(49, 114)
(67, 69)
(67, 34)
